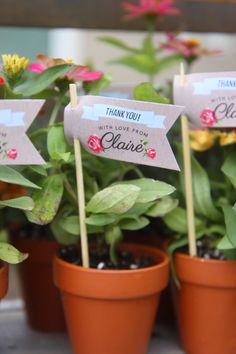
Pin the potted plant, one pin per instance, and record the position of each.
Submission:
(205, 293)
(8, 253)
(111, 306)
(47, 78)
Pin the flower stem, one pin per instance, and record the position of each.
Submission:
(55, 112)
(69, 189)
(38, 133)
(112, 253)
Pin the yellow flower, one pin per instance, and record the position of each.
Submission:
(228, 138)
(202, 140)
(14, 65)
(193, 42)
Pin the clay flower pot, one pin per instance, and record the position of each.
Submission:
(43, 305)
(206, 304)
(3, 279)
(112, 311)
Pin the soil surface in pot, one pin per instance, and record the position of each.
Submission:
(206, 249)
(100, 260)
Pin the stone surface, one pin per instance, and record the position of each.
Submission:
(17, 338)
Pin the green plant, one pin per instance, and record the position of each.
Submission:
(49, 79)
(51, 189)
(214, 194)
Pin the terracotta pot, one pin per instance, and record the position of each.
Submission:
(44, 311)
(112, 312)
(206, 305)
(3, 279)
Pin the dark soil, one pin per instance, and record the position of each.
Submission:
(207, 250)
(125, 260)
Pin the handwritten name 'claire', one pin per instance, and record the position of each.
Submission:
(110, 140)
(225, 111)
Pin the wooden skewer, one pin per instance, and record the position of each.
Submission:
(188, 176)
(80, 187)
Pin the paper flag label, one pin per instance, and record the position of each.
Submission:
(15, 118)
(125, 130)
(209, 99)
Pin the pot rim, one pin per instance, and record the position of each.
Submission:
(205, 272)
(203, 260)
(114, 284)
(163, 263)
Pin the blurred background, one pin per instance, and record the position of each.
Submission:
(82, 46)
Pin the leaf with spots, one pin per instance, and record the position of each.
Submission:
(46, 200)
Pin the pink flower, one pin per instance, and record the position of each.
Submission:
(150, 7)
(2, 81)
(208, 117)
(94, 143)
(151, 153)
(187, 48)
(83, 73)
(12, 153)
(79, 72)
(36, 68)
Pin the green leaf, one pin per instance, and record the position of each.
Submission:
(57, 156)
(101, 219)
(169, 61)
(146, 92)
(70, 224)
(95, 87)
(56, 142)
(47, 200)
(176, 220)
(138, 209)
(9, 175)
(150, 189)
(116, 43)
(229, 168)
(225, 244)
(10, 254)
(230, 222)
(40, 82)
(162, 207)
(41, 170)
(115, 200)
(140, 62)
(60, 234)
(203, 202)
(133, 224)
(23, 203)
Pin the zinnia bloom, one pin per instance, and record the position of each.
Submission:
(13, 65)
(227, 138)
(156, 8)
(202, 139)
(78, 73)
(189, 49)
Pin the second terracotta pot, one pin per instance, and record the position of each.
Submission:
(44, 311)
(112, 312)
(3, 279)
(206, 305)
